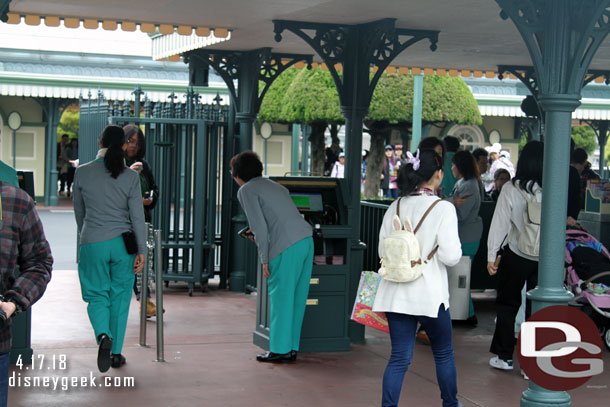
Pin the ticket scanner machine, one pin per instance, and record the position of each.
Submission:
(321, 201)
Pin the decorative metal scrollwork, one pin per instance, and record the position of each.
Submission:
(587, 24)
(331, 43)
(385, 50)
(529, 12)
(604, 19)
(270, 69)
(594, 74)
(229, 64)
(526, 74)
(4, 10)
(378, 41)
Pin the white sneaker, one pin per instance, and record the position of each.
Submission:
(524, 375)
(501, 364)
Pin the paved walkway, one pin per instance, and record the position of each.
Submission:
(210, 358)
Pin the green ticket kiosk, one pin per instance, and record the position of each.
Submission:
(325, 326)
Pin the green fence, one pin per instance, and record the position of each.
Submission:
(371, 217)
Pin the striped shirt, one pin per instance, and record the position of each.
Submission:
(23, 247)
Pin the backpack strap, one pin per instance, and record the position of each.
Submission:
(398, 213)
(433, 252)
(425, 215)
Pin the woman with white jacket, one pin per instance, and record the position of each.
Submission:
(426, 299)
(516, 268)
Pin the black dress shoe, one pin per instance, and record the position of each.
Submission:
(271, 357)
(118, 360)
(472, 321)
(293, 355)
(103, 353)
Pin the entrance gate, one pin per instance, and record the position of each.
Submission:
(185, 151)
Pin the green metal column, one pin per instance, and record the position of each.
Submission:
(229, 197)
(418, 90)
(248, 68)
(356, 48)
(562, 36)
(305, 149)
(295, 148)
(52, 111)
(550, 290)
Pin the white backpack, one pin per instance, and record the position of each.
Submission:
(528, 241)
(402, 260)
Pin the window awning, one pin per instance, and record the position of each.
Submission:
(510, 106)
(61, 86)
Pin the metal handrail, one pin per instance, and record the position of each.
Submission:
(154, 264)
(159, 292)
(150, 244)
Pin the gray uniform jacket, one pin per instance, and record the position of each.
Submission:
(272, 216)
(470, 224)
(106, 207)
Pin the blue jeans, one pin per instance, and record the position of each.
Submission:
(4, 362)
(402, 335)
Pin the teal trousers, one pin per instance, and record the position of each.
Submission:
(288, 287)
(470, 250)
(106, 279)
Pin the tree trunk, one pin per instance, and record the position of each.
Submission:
(334, 133)
(316, 138)
(374, 165)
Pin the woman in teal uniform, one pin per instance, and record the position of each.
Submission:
(108, 204)
(285, 248)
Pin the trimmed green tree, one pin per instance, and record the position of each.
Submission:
(445, 100)
(584, 137)
(312, 99)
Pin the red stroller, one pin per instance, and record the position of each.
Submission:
(588, 276)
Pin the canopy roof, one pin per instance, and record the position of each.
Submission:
(72, 75)
(473, 36)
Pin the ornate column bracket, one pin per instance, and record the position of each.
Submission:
(4, 10)
(272, 67)
(594, 74)
(526, 74)
(379, 43)
(564, 32)
(230, 64)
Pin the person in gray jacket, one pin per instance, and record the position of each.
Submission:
(108, 204)
(285, 247)
(468, 193)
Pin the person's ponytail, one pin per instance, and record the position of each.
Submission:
(113, 138)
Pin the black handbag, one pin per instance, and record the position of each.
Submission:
(130, 242)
